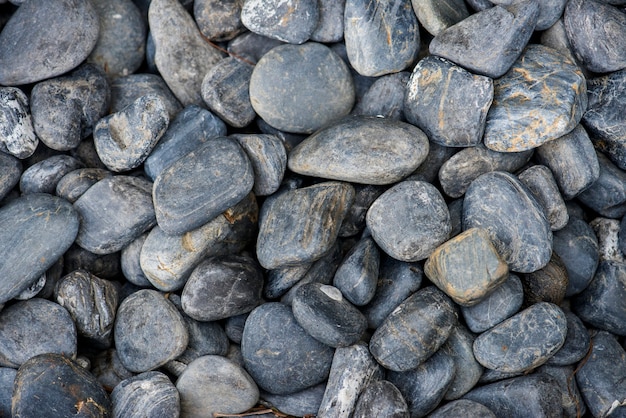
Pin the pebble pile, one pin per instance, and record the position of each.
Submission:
(332, 208)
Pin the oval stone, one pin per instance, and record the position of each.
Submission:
(305, 402)
(148, 394)
(541, 183)
(44, 176)
(367, 150)
(16, 125)
(76, 182)
(357, 276)
(381, 399)
(436, 15)
(577, 342)
(125, 90)
(268, 156)
(607, 195)
(459, 347)
(461, 407)
(291, 21)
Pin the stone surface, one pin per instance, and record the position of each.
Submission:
(548, 284)
(10, 172)
(468, 371)
(145, 395)
(7, 377)
(541, 183)
(354, 222)
(436, 16)
(607, 195)
(72, 185)
(16, 125)
(361, 149)
(573, 404)
(268, 156)
(43, 177)
(125, 90)
(381, 399)
(385, 97)
(300, 403)
(462, 407)
(301, 88)
(249, 47)
(330, 21)
(608, 233)
(577, 342)
(291, 21)
(357, 276)
(219, 20)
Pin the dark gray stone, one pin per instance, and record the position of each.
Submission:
(305, 402)
(577, 343)
(381, 399)
(37, 230)
(291, 21)
(361, 149)
(462, 407)
(269, 161)
(249, 47)
(414, 331)
(10, 173)
(148, 394)
(447, 102)
(548, 284)
(43, 177)
(130, 262)
(72, 185)
(125, 90)
(409, 220)
(385, 97)
(279, 355)
(556, 37)
(479, 5)
(7, 377)
(437, 16)
(301, 88)
(491, 376)
(573, 404)
(541, 183)
(357, 276)
(354, 222)
(549, 11)
(233, 327)
(459, 347)
(489, 41)
(380, 37)
(428, 171)
(86, 152)
(289, 140)
(607, 195)
(16, 125)
(330, 21)
(149, 331)
(108, 369)
(607, 232)
(114, 212)
(219, 20)
(106, 266)
(26, 53)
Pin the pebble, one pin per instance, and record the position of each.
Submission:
(268, 156)
(301, 88)
(462, 407)
(125, 90)
(329, 27)
(577, 342)
(114, 212)
(7, 377)
(249, 47)
(108, 369)
(381, 398)
(399, 344)
(468, 371)
(409, 220)
(291, 21)
(197, 188)
(437, 16)
(105, 266)
(437, 84)
(146, 394)
(10, 173)
(52, 385)
(43, 177)
(571, 400)
(361, 149)
(380, 37)
(26, 53)
(75, 183)
(607, 195)
(548, 284)
(385, 97)
(607, 232)
(219, 20)
(354, 222)
(16, 125)
(357, 276)
(542, 185)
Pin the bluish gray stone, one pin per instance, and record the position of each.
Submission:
(541, 183)
(549, 11)
(43, 177)
(145, 395)
(437, 16)
(234, 327)
(125, 90)
(354, 222)
(381, 399)
(7, 377)
(357, 276)
(577, 342)
(16, 124)
(249, 47)
(462, 407)
(459, 347)
(106, 266)
(130, 262)
(305, 402)
(291, 21)
(385, 97)
(573, 404)
(72, 185)
(219, 20)
(10, 173)
(607, 195)
(269, 161)
(330, 21)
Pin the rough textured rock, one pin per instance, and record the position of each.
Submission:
(436, 16)
(219, 20)
(291, 21)
(16, 125)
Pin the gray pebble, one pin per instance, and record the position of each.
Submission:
(462, 407)
(130, 264)
(43, 177)
(385, 97)
(577, 246)
(436, 16)
(459, 347)
(577, 343)
(607, 195)
(291, 21)
(16, 125)
(125, 90)
(357, 276)
(10, 173)
(381, 399)
(329, 28)
(148, 394)
(249, 47)
(219, 20)
(72, 185)
(268, 156)
(428, 171)
(541, 183)
(233, 327)
(305, 402)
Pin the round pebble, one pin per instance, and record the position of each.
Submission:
(291, 21)
(146, 394)
(357, 276)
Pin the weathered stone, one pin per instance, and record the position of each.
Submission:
(541, 183)
(43, 177)
(330, 21)
(459, 347)
(577, 247)
(573, 404)
(548, 284)
(385, 97)
(72, 185)
(436, 16)
(145, 395)
(607, 195)
(219, 20)
(10, 173)
(269, 161)
(291, 21)
(607, 232)
(462, 407)
(577, 342)
(249, 47)
(125, 90)
(16, 125)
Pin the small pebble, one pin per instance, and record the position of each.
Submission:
(268, 156)
(72, 185)
(357, 276)
(125, 90)
(541, 183)
(607, 232)
(607, 195)
(291, 21)
(577, 342)
(329, 27)
(468, 371)
(219, 20)
(436, 16)
(44, 176)
(145, 395)
(385, 97)
(461, 407)
(16, 125)
(10, 173)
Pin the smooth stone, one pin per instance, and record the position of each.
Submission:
(75, 183)
(541, 78)
(361, 149)
(279, 354)
(556, 37)
(214, 384)
(467, 267)
(125, 90)
(381, 399)
(120, 49)
(501, 204)
(380, 37)
(168, 260)
(572, 160)
(357, 276)
(17, 134)
(397, 280)
(607, 195)
(354, 222)
(249, 47)
(205, 338)
(148, 394)
(187, 131)
(105, 266)
(535, 395)
(287, 237)
(149, 331)
(428, 171)
(577, 246)
(437, 16)
(385, 97)
(7, 377)
(225, 90)
(37, 230)
(607, 232)
(66, 109)
(524, 341)
(329, 318)
(233, 327)
(573, 404)
(601, 378)
(329, 27)
(86, 152)
(456, 216)
(43, 177)
(461, 407)
(602, 304)
(437, 84)
(32, 327)
(549, 11)
(197, 188)
(600, 48)
(26, 53)
(488, 42)
(424, 387)
(268, 156)
(52, 385)
(414, 331)
(114, 212)
(352, 370)
(468, 371)
(130, 262)
(109, 370)
(124, 139)
(541, 183)
(291, 21)
(289, 140)
(491, 376)
(548, 284)
(301, 88)
(461, 169)
(10, 173)
(305, 402)
(577, 342)
(182, 56)
(409, 220)
(91, 301)
(218, 20)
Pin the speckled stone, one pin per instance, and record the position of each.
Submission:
(268, 156)
(462, 407)
(577, 246)
(72, 185)
(16, 125)
(291, 21)
(10, 173)
(219, 20)
(43, 177)
(607, 195)
(125, 90)
(147, 394)
(436, 16)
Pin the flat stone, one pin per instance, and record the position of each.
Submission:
(7, 377)
(182, 55)
(125, 90)
(329, 28)
(462, 407)
(437, 84)
(249, 47)
(523, 341)
(548, 284)
(43, 177)
(541, 78)
(16, 125)
(32, 327)
(361, 149)
(577, 342)
(146, 394)
(268, 156)
(37, 230)
(381, 398)
(26, 53)
(467, 267)
(300, 403)
(436, 16)
(517, 225)
(149, 331)
(10, 173)
(607, 195)
(200, 186)
(541, 183)
(357, 276)
(215, 384)
(459, 347)
(279, 354)
(291, 21)
(219, 20)
(72, 185)
(488, 42)
(399, 343)
(288, 237)
(301, 88)
(385, 97)
(571, 399)
(409, 220)
(113, 213)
